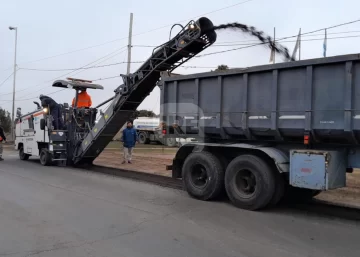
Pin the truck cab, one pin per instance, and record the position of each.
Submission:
(27, 133)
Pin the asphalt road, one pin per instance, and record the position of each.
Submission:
(52, 211)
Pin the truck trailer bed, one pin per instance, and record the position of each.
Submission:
(279, 102)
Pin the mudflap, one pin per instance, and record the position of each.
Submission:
(175, 168)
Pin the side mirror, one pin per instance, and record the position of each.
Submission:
(42, 124)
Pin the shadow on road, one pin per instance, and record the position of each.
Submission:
(314, 208)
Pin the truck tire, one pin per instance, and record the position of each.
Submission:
(143, 138)
(45, 158)
(249, 182)
(279, 189)
(203, 176)
(23, 156)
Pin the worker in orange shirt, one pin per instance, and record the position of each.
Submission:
(84, 99)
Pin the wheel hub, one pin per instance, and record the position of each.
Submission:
(199, 176)
(245, 183)
(43, 157)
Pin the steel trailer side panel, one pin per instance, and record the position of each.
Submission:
(274, 102)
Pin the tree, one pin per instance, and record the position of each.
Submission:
(146, 113)
(222, 67)
(143, 113)
(5, 120)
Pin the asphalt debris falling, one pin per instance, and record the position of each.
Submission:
(263, 38)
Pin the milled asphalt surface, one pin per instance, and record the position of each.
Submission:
(53, 211)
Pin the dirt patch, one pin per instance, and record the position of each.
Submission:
(353, 179)
(154, 160)
(349, 195)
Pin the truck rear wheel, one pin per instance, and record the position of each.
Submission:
(143, 139)
(45, 157)
(279, 189)
(203, 176)
(23, 156)
(249, 182)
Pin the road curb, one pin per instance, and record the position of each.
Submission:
(340, 205)
(329, 209)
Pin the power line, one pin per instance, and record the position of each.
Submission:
(99, 66)
(98, 61)
(106, 57)
(332, 27)
(239, 42)
(31, 98)
(73, 71)
(217, 10)
(197, 67)
(184, 66)
(253, 40)
(104, 60)
(85, 68)
(228, 50)
(106, 78)
(6, 79)
(303, 40)
(51, 80)
(138, 34)
(244, 44)
(306, 33)
(74, 51)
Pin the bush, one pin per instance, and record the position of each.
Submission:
(5, 120)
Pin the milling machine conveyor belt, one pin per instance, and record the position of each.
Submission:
(191, 40)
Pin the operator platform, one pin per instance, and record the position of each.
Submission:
(84, 99)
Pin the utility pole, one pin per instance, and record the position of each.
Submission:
(274, 49)
(272, 53)
(325, 44)
(300, 45)
(14, 83)
(129, 44)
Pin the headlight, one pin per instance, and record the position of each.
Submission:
(45, 110)
(191, 26)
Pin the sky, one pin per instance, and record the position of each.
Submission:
(58, 35)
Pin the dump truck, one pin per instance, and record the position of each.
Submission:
(265, 134)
